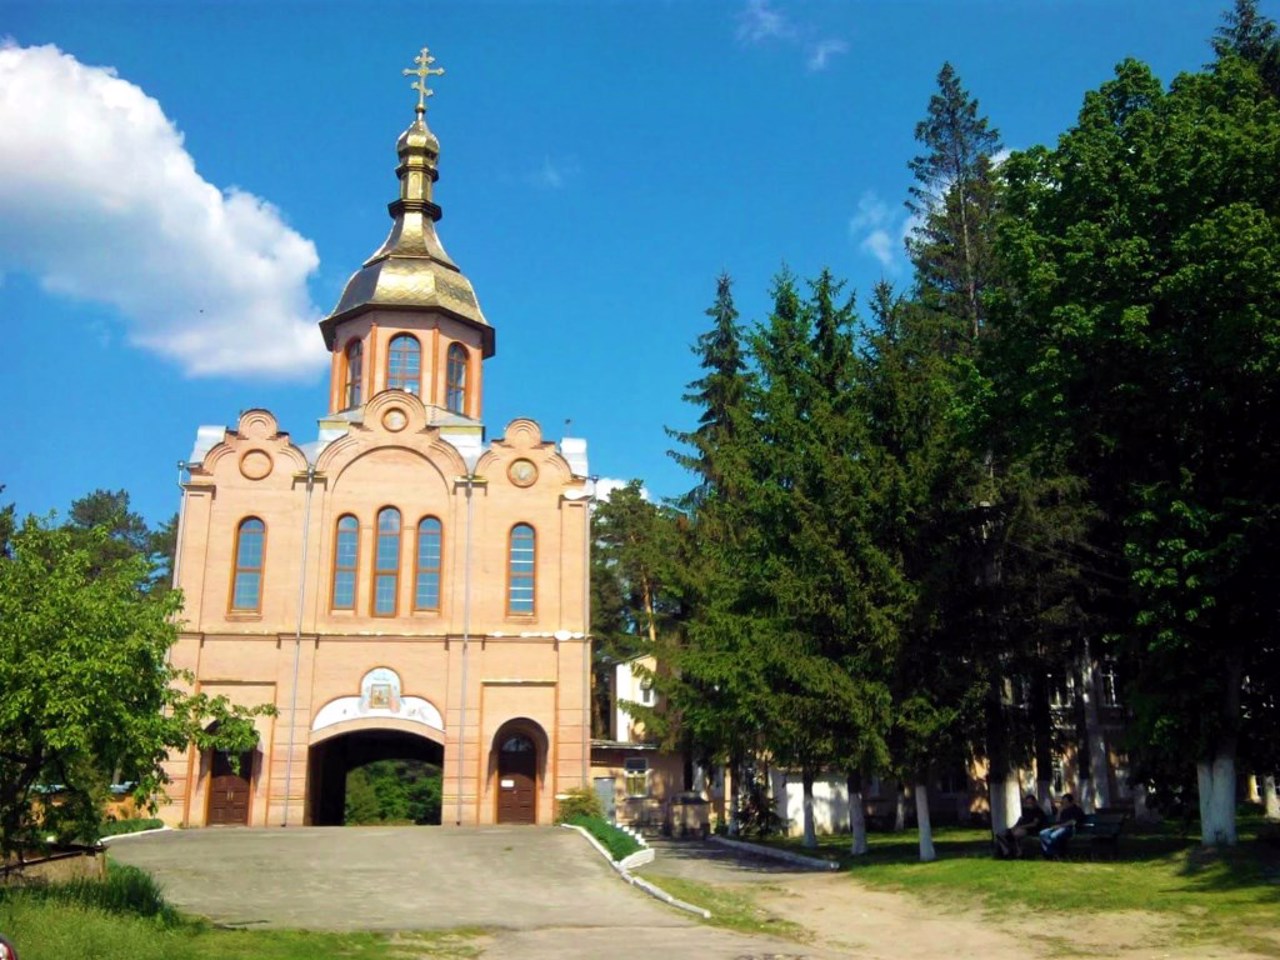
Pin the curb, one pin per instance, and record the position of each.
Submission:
(755, 849)
(622, 869)
(105, 841)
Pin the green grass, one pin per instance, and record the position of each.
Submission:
(619, 843)
(125, 918)
(1231, 895)
(115, 828)
(733, 908)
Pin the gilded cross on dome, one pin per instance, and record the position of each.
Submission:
(424, 60)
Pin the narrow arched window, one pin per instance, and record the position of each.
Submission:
(426, 590)
(520, 567)
(455, 392)
(346, 556)
(246, 580)
(353, 389)
(404, 364)
(386, 563)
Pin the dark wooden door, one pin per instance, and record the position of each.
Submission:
(517, 780)
(228, 790)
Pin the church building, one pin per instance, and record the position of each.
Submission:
(401, 587)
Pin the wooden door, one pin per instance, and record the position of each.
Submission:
(228, 790)
(517, 780)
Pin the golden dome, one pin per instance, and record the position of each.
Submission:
(411, 270)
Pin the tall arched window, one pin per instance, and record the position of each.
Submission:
(520, 569)
(426, 590)
(353, 389)
(246, 579)
(455, 391)
(404, 364)
(386, 563)
(346, 556)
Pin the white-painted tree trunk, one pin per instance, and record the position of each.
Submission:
(923, 825)
(899, 808)
(1217, 781)
(810, 833)
(1140, 811)
(1044, 794)
(1270, 799)
(1097, 742)
(857, 823)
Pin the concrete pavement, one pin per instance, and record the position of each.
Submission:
(543, 892)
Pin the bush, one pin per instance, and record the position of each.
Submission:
(619, 843)
(114, 828)
(580, 802)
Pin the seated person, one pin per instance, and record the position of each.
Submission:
(1033, 820)
(1053, 840)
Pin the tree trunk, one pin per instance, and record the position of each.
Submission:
(1098, 753)
(735, 795)
(899, 808)
(923, 826)
(857, 816)
(1270, 801)
(1084, 753)
(810, 834)
(1042, 733)
(1218, 799)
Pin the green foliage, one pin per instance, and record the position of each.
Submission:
(579, 802)
(115, 828)
(125, 890)
(618, 843)
(89, 694)
(393, 791)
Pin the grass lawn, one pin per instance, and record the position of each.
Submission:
(122, 920)
(1228, 896)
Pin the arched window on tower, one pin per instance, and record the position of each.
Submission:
(404, 364)
(522, 556)
(346, 556)
(455, 392)
(353, 387)
(386, 563)
(426, 590)
(246, 579)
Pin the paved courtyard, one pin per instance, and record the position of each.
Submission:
(544, 892)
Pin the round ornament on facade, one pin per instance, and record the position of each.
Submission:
(523, 473)
(394, 420)
(256, 465)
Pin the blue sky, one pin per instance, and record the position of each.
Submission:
(168, 243)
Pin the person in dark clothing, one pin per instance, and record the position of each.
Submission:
(1053, 840)
(1033, 820)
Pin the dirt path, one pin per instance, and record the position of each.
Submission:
(847, 917)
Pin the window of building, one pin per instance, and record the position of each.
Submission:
(455, 392)
(404, 364)
(1058, 780)
(346, 554)
(386, 563)
(636, 775)
(646, 693)
(426, 591)
(353, 388)
(520, 576)
(246, 583)
(1062, 690)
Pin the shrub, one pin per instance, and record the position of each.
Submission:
(114, 828)
(580, 802)
(619, 843)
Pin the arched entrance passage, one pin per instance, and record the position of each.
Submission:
(518, 755)
(331, 759)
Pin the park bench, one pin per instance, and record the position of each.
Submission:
(1101, 831)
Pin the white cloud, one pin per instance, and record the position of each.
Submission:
(100, 201)
(879, 231)
(606, 485)
(553, 174)
(820, 53)
(758, 22)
